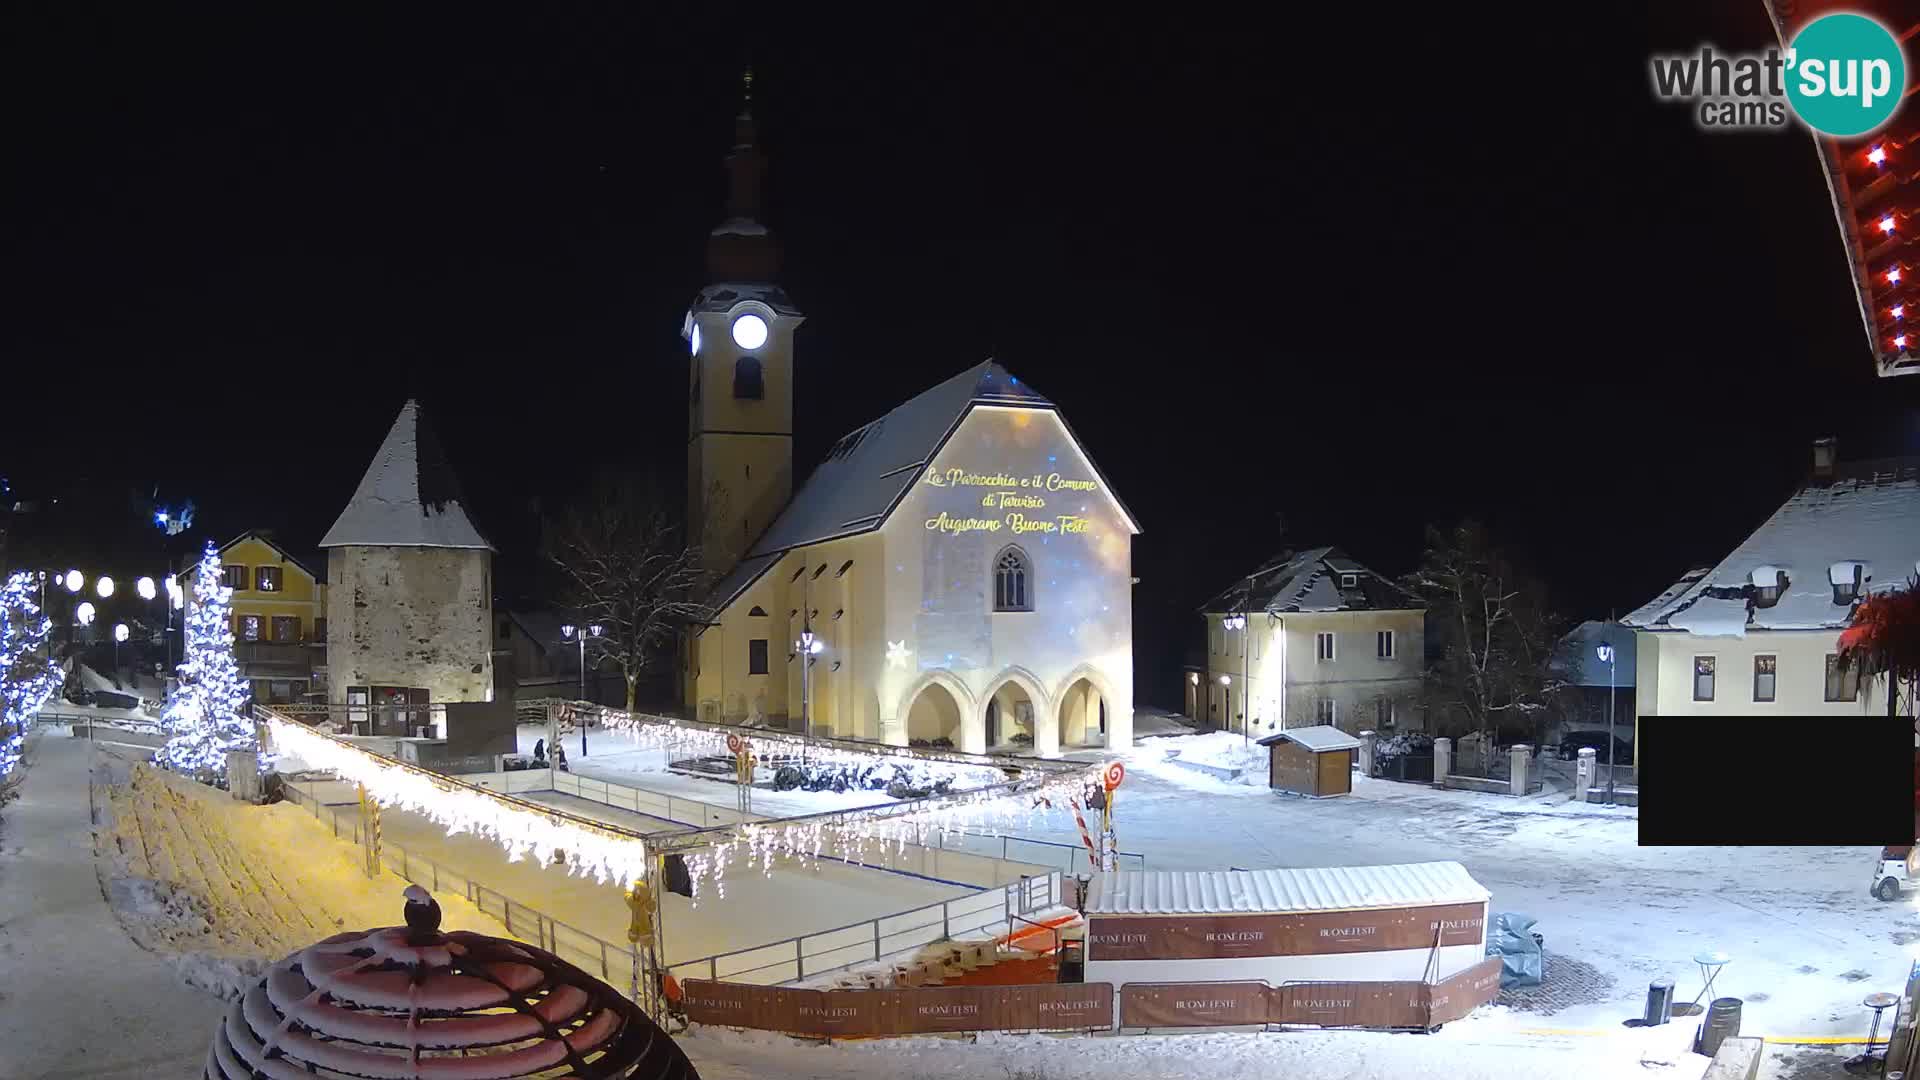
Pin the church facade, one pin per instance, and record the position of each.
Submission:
(957, 572)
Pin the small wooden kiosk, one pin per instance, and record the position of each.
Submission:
(1316, 761)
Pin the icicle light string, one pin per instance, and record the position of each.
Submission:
(606, 855)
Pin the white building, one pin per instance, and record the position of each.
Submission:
(1758, 632)
(963, 568)
(1309, 638)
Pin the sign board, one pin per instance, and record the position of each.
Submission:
(902, 1011)
(1307, 933)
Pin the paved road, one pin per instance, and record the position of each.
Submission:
(77, 997)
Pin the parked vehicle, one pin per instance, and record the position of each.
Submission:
(1894, 872)
(1575, 741)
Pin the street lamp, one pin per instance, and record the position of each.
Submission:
(73, 580)
(104, 586)
(119, 635)
(1605, 652)
(84, 613)
(580, 634)
(809, 646)
(145, 588)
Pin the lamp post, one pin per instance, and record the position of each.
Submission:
(1239, 623)
(1605, 652)
(809, 647)
(119, 635)
(580, 634)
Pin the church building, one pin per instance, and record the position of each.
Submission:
(955, 573)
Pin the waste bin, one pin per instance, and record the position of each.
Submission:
(1722, 1023)
(1659, 1003)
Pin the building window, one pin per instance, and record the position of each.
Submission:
(236, 577)
(1763, 672)
(757, 656)
(844, 567)
(1349, 581)
(1383, 644)
(286, 628)
(747, 382)
(1327, 711)
(1842, 685)
(1215, 633)
(757, 612)
(1703, 678)
(320, 630)
(266, 578)
(248, 627)
(1323, 646)
(1012, 581)
(1383, 712)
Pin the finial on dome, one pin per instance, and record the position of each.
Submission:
(422, 913)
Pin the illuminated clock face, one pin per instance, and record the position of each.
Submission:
(749, 331)
(696, 339)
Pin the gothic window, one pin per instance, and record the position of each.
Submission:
(747, 382)
(1012, 581)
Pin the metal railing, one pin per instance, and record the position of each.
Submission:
(873, 940)
(614, 963)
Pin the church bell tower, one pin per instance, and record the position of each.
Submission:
(739, 332)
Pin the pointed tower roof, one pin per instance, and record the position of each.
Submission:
(409, 497)
(741, 248)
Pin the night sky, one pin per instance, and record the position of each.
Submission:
(1270, 271)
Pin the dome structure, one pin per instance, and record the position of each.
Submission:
(415, 1003)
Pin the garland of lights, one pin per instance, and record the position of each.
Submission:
(205, 716)
(606, 854)
(27, 677)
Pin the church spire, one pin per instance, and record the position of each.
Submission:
(741, 248)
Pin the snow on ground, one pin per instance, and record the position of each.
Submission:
(1463, 1050)
(198, 875)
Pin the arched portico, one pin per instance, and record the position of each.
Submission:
(938, 705)
(1084, 708)
(1016, 700)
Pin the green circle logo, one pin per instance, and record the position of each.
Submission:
(1845, 74)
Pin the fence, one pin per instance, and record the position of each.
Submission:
(614, 963)
(990, 911)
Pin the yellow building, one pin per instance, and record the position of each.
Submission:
(957, 572)
(279, 617)
(1311, 638)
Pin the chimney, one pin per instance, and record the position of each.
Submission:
(1826, 454)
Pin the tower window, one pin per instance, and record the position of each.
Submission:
(747, 382)
(1012, 581)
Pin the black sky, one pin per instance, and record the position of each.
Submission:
(1365, 269)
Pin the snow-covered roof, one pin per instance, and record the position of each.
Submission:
(1580, 663)
(868, 472)
(722, 295)
(1309, 580)
(408, 498)
(1317, 738)
(1868, 513)
(1330, 888)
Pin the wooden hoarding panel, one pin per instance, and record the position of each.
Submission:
(842, 1013)
(740, 1005)
(1222, 1004)
(1221, 937)
(1352, 1004)
(1060, 1007)
(1456, 996)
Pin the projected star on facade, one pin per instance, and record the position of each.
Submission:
(897, 653)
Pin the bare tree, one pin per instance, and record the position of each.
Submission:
(627, 566)
(1497, 637)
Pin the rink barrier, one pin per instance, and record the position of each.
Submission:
(990, 913)
(613, 962)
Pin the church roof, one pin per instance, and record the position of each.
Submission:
(409, 497)
(868, 472)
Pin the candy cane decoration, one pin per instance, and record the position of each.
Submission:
(1085, 837)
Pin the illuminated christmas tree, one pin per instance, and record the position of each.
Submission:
(206, 715)
(27, 677)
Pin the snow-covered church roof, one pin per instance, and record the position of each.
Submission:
(408, 498)
(1312, 580)
(1868, 513)
(868, 472)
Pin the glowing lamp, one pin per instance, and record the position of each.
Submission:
(594, 630)
(695, 339)
(1877, 155)
(1886, 224)
(749, 332)
(1193, 677)
(145, 588)
(73, 581)
(104, 586)
(1605, 653)
(119, 631)
(1893, 276)
(567, 631)
(84, 613)
(1226, 680)
(1899, 311)
(1900, 341)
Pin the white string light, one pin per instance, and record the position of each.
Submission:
(605, 854)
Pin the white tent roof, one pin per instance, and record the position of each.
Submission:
(408, 497)
(1330, 888)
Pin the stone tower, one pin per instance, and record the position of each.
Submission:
(410, 597)
(740, 393)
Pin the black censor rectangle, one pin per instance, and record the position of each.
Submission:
(1787, 781)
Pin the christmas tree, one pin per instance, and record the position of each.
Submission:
(27, 677)
(206, 715)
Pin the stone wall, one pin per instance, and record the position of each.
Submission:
(408, 616)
